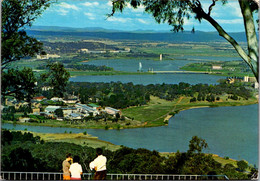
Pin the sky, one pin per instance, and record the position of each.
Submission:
(93, 13)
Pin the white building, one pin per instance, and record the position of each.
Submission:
(86, 109)
(112, 111)
(51, 109)
(216, 67)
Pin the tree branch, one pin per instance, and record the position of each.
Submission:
(211, 6)
(251, 62)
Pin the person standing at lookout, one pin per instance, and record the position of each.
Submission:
(66, 167)
(99, 165)
(76, 169)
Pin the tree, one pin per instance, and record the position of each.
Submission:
(196, 145)
(242, 165)
(56, 77)
(59, 113)
(174, 12)
(18, 83)
(16, 15)
(16, 44)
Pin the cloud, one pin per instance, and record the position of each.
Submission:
(90, 16)
(62, 12)
(234, 9)
(121, 20)
(138, 9)
(89, 4)
(231, 21)
(142, 21)
(68, 6)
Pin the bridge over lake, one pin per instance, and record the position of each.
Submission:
(179, 72)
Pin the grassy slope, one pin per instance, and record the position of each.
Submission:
(157, 109)
(155, 113)
(77, 138)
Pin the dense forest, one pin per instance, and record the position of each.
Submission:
(122, 95)
(24, 152)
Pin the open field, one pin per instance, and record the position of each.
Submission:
(82, 139)
(157, 110)
(155, 113)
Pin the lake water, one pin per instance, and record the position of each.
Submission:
(132, 65)
(229, 131)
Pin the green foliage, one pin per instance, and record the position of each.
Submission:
(18, 83)
(59, 113)
(23, 152)
(175, 12)
(56, 77)
(242, 165)
(119, 95)
(196, 145)
(16, 14)
(88, 67)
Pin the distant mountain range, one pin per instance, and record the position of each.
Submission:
(150, 35)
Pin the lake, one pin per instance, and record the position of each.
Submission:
(132, 65)
(229, 131)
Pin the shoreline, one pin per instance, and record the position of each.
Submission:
(114, 127)
(92, 141)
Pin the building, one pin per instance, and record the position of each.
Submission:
(69, 110)
(47, 56)
(46, 88)
(112, 111)
(39, 98)
(86, 109)
(24, 120)
(36, 111)
(71, 100)
(51, 109)
(74, 116)
(95, 106)
(216, 67)
(56, 99)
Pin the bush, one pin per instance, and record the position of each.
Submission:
(242, 165)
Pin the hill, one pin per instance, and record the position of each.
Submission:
(100, 33)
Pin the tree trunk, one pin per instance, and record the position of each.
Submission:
(252, 42)
(252, 61)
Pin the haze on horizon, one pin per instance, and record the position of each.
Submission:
(93, 13)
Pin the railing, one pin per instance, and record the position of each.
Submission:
(110, 176)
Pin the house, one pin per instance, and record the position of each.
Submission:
(112, 111)
(71, 100)
(24, 120)
(51, 109)
(10, 102)
(39, 98)
(21, 104)
(56, 99)
(36, 104)
(36, 111)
